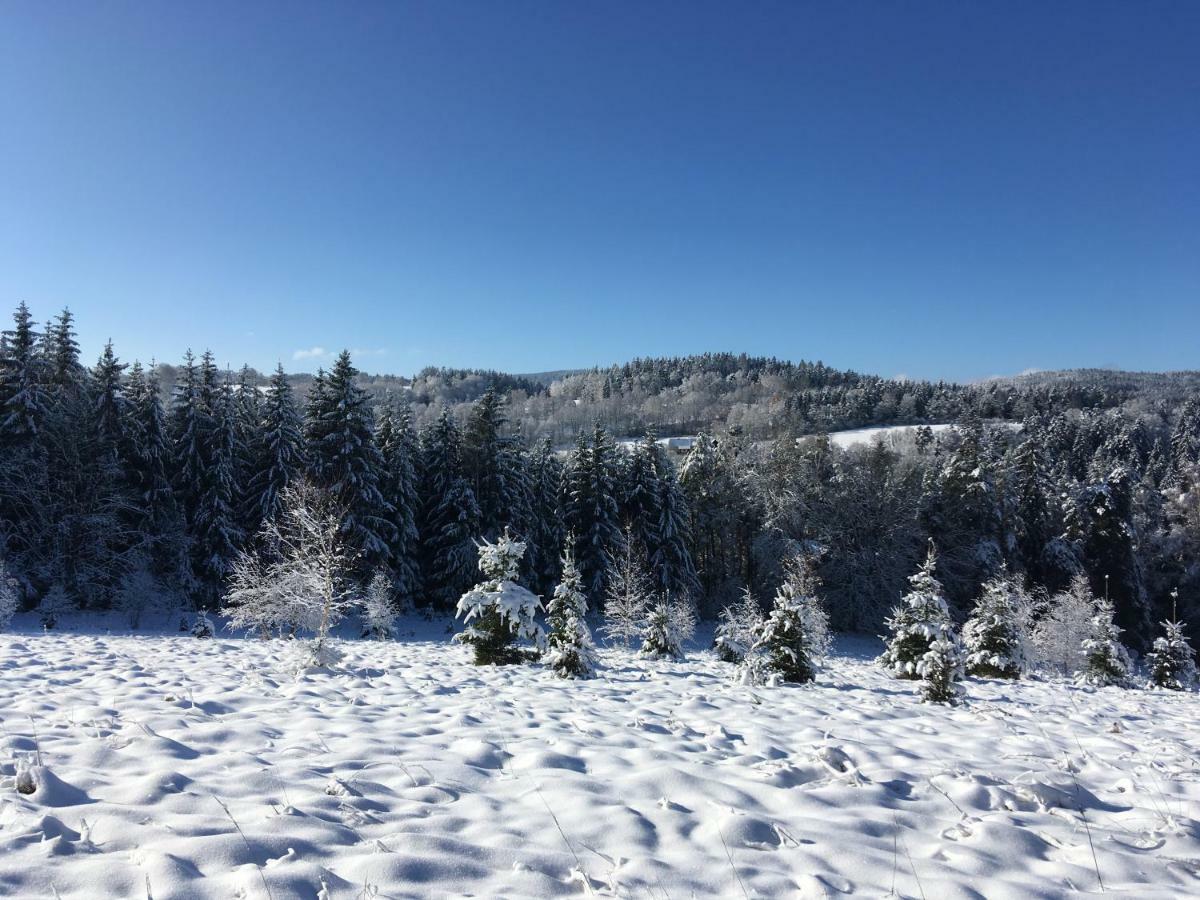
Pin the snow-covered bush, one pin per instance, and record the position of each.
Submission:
(940, 668)
(997, 633)
(668, 624)
(1065, 623)
(498, 611)
(736, 628)
(570, 653)
(379, 618)
(755, 669)
(794, 637)
(1172, 661)
(1106, 661)
(922, 618)
(628, 596)
(298, 580)
(52, 605)
(203, 627)
(322, 652)
(10, 596)
(139, 593)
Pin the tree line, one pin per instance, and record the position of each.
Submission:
(114, 490)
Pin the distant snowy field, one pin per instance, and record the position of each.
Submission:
(412, 773)
(891, 435)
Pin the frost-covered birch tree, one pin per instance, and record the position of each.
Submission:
(628, 594)
(300, 578)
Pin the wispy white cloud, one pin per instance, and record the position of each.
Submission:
(310, 353)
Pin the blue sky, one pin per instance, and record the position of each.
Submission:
(953, 189)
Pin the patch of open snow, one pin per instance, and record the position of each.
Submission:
(890, 434)
(166, 766)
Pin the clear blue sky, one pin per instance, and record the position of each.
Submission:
(952, 189)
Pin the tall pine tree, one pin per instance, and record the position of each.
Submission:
(345, 461)
(21, 397)
(544, 533)
(397, 445)
(278, 457)
(450, 519)
(590, 510)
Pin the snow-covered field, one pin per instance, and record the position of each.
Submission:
(176, 767)
(889, 434)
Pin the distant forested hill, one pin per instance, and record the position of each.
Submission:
(762, 397)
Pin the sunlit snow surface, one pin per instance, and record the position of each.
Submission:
(889, 434)
(415, 774)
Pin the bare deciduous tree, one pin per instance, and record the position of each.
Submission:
(297, 579)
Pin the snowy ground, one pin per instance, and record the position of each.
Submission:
(889, 434)
(414, 774)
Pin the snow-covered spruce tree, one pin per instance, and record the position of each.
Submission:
(737, 626)
(545, 530)
(108, 404)
(498, 611)
(60, 351)
(1172, 661)
(449, 514)
(669, 622)
(658, 638)
(204, 435)
(215, 533)
(248, 425)
(344, 460)
(638, 492)
(628, 594)
(1110, 546)
(398, 446)
(22, 400)
(922, 618)
(996, 634)
(187, 427)
(1106, 661)
(378, 616)
(960, 509)
(568, 594)
(10, 597)
(278, 450)
(590, 509)
(202, 628)
(299, 578)
(570, 653)
(494, 466)
(671, 564)
(151, 511)
(940, 668)
(795, 635)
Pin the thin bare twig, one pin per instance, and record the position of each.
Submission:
(249, 846)
(729, 856)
